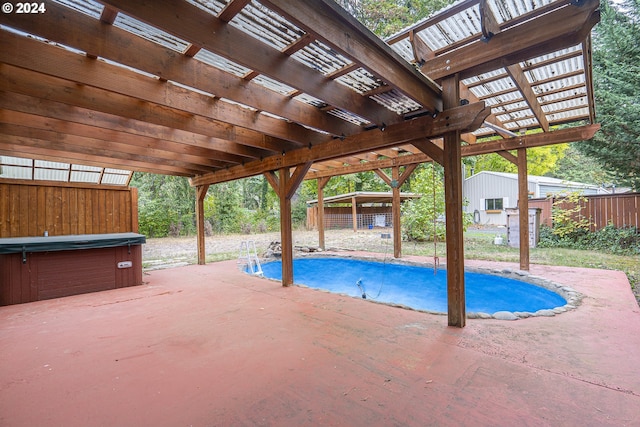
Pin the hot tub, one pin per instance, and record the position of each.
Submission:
(38, 268)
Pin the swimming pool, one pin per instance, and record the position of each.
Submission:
(418, 287)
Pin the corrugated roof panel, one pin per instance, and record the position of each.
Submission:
(485, 77)
(576, 83)
(514, 115)
(404, 49)
(308, 99)
(266, 26)
(397, 102)
(51, 165)
(221, 63)
(513, 106)
(75, 167)
(212, 6)
(88, 7)
(345, 115)
(16, 172)
(273, 85)
(321, 57)
(453, 29)
(563, 105)
(578, 96)
(523, 124)
(555, 55)
(114, 179)
(18, 161)
(569, 115)
(360, 80)
(149, 32)
(117, 171)
(85, 177)
(51, 174)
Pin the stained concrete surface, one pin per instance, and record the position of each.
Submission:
(210, 346)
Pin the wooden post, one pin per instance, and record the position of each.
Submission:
(395, 182)
(523, 208)
(453, 208)
(395, 212)
(201, 192)
(322, 182)
(285, 230)
(285, 185)
(354, 214)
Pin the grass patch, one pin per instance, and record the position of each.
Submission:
(221, 256)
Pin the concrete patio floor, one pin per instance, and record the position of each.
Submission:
(210, 346)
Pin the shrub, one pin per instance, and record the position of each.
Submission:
(619, 241)
(567, 216)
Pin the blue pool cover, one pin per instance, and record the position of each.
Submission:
(414, 286)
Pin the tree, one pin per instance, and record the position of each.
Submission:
(541, 161)
(422, 218)
(616, 71)
(165, 204)
(386, 17)
(575, 166)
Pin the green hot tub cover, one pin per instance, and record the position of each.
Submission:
(71, 242)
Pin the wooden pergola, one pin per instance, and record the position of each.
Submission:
(219, 90)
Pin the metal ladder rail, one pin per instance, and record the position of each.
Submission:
(248, 257)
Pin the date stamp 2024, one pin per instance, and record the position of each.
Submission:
(24, 8)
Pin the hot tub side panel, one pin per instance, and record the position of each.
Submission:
(56, 274)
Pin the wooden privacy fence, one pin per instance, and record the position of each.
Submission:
(29, 209)
(621, 210)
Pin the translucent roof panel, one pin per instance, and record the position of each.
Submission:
(44, 170)
(88, 7)
(149, 32)
(266, 26)
(321, 57)
(221, 63)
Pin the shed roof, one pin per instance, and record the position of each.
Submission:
(223, 89)
(541, 180)
(361, 197)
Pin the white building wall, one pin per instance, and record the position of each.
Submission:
(477, 188)
(493, 185)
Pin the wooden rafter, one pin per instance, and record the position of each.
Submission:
(519, 78)
(194, 25)
(331, 24)
(107, 42)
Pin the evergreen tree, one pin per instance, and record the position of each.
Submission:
(616, 71)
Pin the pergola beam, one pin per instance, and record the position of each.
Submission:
(462, 118)
(79, 121)
(503, 145)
